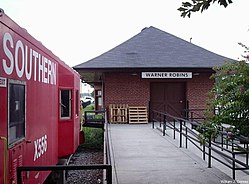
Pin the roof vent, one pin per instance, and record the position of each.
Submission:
(1, 12)
(144, 29)
(131, 53)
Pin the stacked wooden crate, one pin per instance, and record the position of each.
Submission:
(122, 113)
(138, 114)
(118, 113)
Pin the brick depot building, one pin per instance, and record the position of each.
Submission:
(153, 69)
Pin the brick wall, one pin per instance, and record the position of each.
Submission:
(125, 88)
(197, 92)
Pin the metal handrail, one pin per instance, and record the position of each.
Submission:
(65, 167)
(107, 145)
(193, 112)
(90, 116)
(94, 119)
(162, 117)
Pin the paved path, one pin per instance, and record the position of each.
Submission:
(141, 155)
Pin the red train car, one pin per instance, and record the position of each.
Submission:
(39, 111)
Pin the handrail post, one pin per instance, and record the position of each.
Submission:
(204, 152)
(233, 154)
(164, 125)
(153, 126)
(247, 154)
(174, 129)
(186, 137)
(109, 175)
(227, 141)
(222, 138)
(209, 152)
(233, 162)
(85, 116)
(180, 133)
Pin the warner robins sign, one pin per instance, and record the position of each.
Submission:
(167, 75)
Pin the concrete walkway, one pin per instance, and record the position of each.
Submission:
(141, 155)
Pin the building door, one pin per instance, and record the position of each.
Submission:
(168, 97)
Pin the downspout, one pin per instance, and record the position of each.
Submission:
(5, 158)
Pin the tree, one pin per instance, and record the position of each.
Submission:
(230, 98)
(246, 52)
(200, 5)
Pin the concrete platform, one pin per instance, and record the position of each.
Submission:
(141, 155)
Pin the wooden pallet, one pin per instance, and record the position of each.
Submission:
(118, 113)
(138, 114)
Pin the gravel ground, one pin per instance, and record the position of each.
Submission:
(85, 156)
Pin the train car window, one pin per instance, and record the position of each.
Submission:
(16, 107)
(77, 103)
(65, 104)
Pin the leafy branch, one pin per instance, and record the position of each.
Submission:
(246, 56)
(199, 5)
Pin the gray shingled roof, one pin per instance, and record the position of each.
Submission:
(154, 48)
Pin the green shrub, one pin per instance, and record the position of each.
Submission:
(230, 96)
(89, 107)
(94, 138)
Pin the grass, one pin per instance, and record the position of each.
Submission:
(94, 137)
(89, 107)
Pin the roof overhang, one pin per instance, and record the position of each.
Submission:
(95, 76)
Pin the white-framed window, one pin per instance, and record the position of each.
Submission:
(16, 111)
(65, 103)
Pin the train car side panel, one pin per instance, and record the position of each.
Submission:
(69, 121)
(29, 114)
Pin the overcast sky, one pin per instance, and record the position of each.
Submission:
(79, 30)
